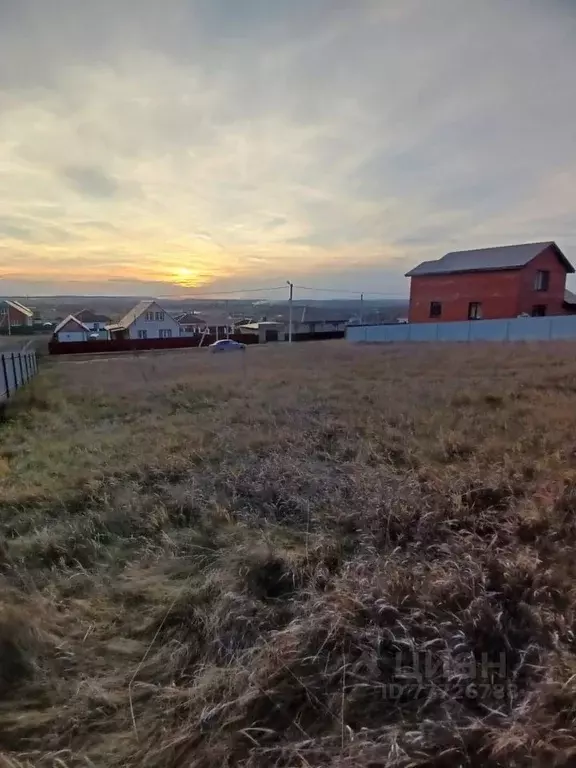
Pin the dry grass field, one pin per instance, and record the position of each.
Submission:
(326, 556)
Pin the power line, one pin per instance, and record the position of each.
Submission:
(355, 293)
(238, 290)
(283, 288)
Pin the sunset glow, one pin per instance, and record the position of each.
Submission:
(204, 147)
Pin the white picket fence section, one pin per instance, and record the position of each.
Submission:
(517, 329)
(16, 368)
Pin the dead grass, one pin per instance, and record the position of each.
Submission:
(326, 556)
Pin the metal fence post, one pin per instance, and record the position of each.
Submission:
(26, 366)
(21, 368)
(15, 374)
(5, 372)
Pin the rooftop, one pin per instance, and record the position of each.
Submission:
(88, 316)
(20, 307)
(73, 321)
(133, 315)
(488, 259)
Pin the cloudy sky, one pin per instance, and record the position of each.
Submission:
(160, 148)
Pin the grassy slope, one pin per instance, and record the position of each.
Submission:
(209, 565)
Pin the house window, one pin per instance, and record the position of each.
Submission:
(142, 334)
(539, 310)
(541, 281)
(149, 316)
(435, 309)
(474, 310)
(159, 315)
(165, 333)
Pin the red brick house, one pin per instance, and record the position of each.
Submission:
(492, 283)
(14, 314)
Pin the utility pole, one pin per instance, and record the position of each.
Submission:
(361, 308)
(5, 313)
(290, 311)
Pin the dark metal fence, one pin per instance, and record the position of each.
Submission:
(319, 336)
(133, 345)
(16, 368)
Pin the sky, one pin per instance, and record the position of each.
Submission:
(199, 146)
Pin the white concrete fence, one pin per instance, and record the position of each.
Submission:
(517, 329)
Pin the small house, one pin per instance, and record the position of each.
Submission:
(71, 329)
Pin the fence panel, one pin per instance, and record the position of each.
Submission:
(488, 330)
(356, 333)
(397, 332)
(563, 327)
(515, 329)
(16, 371)
(453, 331)
(12, 383)
(424, 332)
(529, 329)
(375, 333)
(16, 368)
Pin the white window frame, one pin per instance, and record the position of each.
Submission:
(142, 334)
(165, 333)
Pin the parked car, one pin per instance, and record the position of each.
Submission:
(226, 345)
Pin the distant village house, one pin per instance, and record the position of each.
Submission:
(97, 323)
(274, 324)
(13, 314)
(214, 324)
(71, 329)
(147, 320)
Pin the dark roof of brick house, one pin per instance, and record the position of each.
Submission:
(210, 318)
(88, 316)
(488, 259)
(189, 318)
